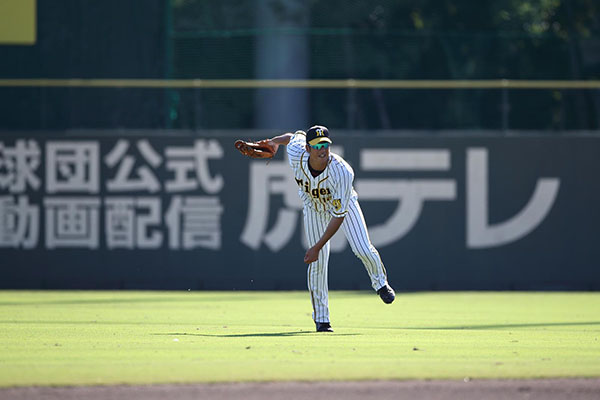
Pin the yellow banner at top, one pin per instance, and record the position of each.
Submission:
(18, 22)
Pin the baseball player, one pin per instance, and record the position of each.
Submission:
(325, 186)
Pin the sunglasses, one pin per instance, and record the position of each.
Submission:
(320, 146)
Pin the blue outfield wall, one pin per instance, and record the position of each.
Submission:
(188, 212)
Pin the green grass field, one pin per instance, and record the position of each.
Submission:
(81, 338)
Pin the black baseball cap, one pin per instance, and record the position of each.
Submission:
(317, 134)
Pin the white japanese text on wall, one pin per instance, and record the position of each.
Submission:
(409, 195)
(123, 193)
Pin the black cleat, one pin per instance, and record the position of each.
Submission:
(324, 327)
(386, 293)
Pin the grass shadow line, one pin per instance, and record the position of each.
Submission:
(501, 326)
(117, 300)
(243, 335)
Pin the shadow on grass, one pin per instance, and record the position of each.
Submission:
(117, 300)
(498, 326)
(240, 335)
(422, 328)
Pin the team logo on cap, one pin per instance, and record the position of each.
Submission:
(320, 132)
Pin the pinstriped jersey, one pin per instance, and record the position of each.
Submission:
(331, 190)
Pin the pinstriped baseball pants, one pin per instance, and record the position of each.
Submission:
(355, 229)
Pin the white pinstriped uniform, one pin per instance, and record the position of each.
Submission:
(328, 195)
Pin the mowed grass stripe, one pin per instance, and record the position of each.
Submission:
(85, 338)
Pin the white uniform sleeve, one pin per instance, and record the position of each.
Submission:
(343, 191)
(296, 147)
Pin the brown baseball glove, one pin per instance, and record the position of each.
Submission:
(262, 149)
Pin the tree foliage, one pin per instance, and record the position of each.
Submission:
(422, 39)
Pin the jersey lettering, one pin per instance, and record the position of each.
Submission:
(324, 194)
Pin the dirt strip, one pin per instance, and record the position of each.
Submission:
(572, 389)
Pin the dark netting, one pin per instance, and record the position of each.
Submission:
(388, 40)
(294, 39)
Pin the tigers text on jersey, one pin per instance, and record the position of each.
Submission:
(328, 192)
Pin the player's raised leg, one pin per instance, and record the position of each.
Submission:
(355, 229)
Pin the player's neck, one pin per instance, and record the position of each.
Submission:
(317, 165)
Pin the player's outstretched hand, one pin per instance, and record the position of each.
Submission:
(263, 149)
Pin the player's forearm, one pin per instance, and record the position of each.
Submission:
(282, 139)
(331, 229)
